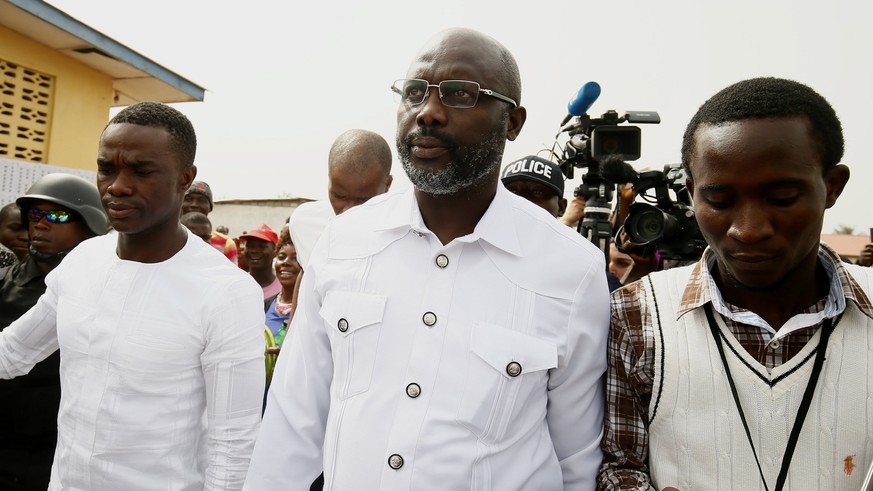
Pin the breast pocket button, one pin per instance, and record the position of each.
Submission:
(395, 461)
(413, 390)
(429, 319)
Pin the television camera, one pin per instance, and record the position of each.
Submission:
(665, 221)
(602, 146)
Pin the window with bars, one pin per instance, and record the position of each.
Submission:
(25, 112)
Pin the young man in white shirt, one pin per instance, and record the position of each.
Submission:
(442, 340)
(161, 338)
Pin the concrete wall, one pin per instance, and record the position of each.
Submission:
(239, 216)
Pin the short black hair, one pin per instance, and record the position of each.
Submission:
(770, 97)
(509, 75)
(195, 218)
(6, 211)
(351, 148)
(158, 115)
(284, 238)
(499, 59)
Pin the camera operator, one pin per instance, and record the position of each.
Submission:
(762, 161)
(642, 261)
(645, 259)
(575, 209)
(619, 262)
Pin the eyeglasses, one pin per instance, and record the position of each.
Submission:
(453, 93)
(53, 216)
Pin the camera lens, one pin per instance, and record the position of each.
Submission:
(646, 224)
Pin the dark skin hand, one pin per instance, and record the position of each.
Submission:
(866, 258)
(574, 212)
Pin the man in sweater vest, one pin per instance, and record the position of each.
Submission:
(750, 369)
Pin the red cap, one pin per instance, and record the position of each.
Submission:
(263, 232)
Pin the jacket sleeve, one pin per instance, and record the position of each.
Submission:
(31, 338)
(288, 452)
(234, 374)
(575, 411)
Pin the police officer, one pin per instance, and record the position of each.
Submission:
(59, 211)
(537, 180)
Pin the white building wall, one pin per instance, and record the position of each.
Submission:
(243, 217)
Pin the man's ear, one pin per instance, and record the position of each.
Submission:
(835, 180)
(517, 117)
(189, 173)
(689, 185)
(562, 206)
(388, 181)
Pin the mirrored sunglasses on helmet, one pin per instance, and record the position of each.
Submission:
(53, 216)
(453, 93)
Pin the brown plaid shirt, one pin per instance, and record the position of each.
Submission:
(631, 356)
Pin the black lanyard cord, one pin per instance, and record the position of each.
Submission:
(801, 411)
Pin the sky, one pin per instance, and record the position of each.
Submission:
(284, 79)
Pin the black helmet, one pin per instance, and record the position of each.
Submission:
(71, 192)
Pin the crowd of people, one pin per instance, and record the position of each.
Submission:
(460, 334)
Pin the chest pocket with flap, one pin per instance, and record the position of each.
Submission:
(353, 321)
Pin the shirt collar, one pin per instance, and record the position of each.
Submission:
(404, 215)
(495, 226)
(850, 288)
(701, 289)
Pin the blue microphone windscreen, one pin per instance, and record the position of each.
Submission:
(583, 100)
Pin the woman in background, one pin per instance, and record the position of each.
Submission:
(287, 268)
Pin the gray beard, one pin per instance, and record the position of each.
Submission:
(468, 167)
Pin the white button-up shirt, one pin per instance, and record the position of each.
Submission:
(502, 332)
(306, 225)
(162, 368)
